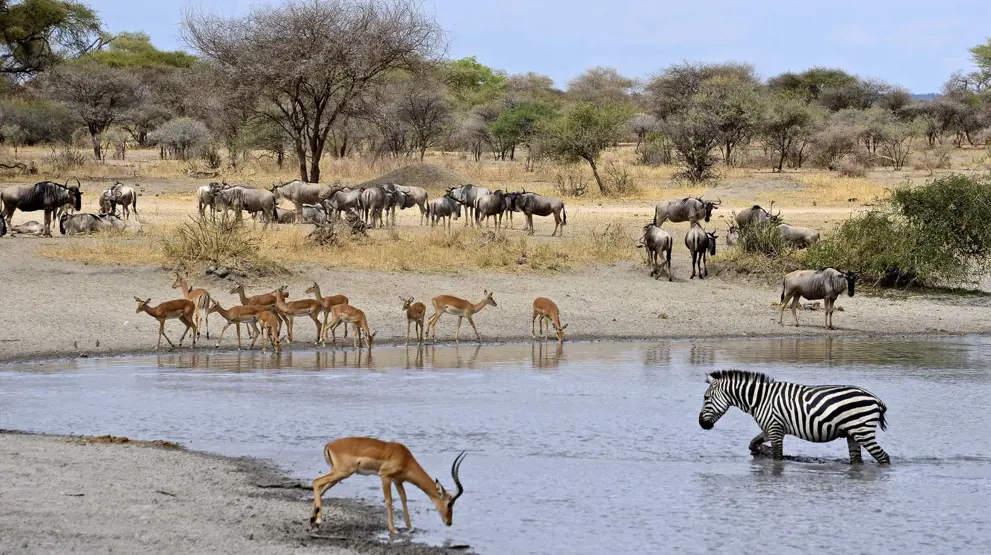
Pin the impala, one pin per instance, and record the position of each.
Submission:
(238, 315)
(181, 309)
(269, 324)
(460, 308)
(394, 463)
(328, 303)
(200, 297)
(545, 309)
(347, 314)
(289, 311)
(266, 300)
(414, 313)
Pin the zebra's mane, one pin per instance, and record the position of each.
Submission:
(741, 375)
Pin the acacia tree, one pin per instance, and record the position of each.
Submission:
(426, 112)
(601, 85)
(584, 132)
(99, 95)
(788, 120)
(38, 34)
(308, 61)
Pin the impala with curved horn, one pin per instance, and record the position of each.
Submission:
(394, 463)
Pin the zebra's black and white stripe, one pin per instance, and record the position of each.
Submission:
(818, 413)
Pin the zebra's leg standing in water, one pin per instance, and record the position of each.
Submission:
(814, 413)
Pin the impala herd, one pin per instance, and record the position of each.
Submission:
(264, 315)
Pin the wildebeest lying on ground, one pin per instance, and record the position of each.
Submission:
(28, 228)
(656, 241)
(84, 223)
(45, 195)
(825, 284)
(688, 209)
(798, 237)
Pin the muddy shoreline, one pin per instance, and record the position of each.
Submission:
(83, 493)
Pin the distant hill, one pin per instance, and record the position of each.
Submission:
(927, 96)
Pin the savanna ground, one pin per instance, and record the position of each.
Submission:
(73, 292)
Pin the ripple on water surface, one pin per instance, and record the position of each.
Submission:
(580, 448)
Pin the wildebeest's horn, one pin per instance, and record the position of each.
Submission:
(718, 201)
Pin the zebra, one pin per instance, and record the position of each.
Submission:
(819, 413)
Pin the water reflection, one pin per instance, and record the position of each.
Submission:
(546, 355)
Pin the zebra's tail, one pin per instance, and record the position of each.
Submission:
(881, 410)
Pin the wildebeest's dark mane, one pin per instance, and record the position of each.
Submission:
(741, 375)
(756, 207)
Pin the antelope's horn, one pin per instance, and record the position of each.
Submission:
(454, 475)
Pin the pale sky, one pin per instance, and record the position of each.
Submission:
(912, 43)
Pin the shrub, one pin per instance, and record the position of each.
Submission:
(619, 182)
(570, 181)
(764, 239)
(931, 235)
(180, 137)
(222, 241)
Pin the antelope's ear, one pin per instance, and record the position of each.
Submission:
(138, 300)
(564, 327)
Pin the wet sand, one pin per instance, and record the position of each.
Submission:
(64, 494)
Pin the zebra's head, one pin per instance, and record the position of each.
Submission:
(715, 403)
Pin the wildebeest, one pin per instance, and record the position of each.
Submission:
(396, 197)
(825, 284)
(119, 195)
(314, 214)
(252, 200)
(343, 200)
(532, 204)
(205, 197)
(3, 224)
(84, 222)
(45, 195)
(443, 207)
(656, 241)
(284, 215)
(414, 196)
(467, 195)
(688, 209)
(492, 204)
(374, 201)
(732, 235)
(300, 193)
(700, 243)
(27, 228)
(757, 215)
(798, 237)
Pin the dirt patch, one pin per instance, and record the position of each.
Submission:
(427, 176)
(108, 439)
(71, 494)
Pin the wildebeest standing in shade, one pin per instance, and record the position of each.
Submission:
(688, 209)
(532, 204)
(46, 195)
(825, 284)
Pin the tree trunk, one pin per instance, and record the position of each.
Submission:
(97, 148)
(595, 173)
(781, 159)
(423, 152)
(729, 151)
(301, 156)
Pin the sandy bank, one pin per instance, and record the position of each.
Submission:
(58, 308)
(69, 495)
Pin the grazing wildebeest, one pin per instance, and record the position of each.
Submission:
(757, 215)
(798, 237)
(343, 200)
(656, 240)
(46, 195)
(492, 204)
(443, 207)
(819, 413)
(205, 196)
(466, 195)
(532, 204)
(119, 195)
(700, 243)
(300, 193)
(83, 223)
(732, 235)
(688, 209)
(825, 284)
(253, 200)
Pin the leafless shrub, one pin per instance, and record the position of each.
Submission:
(570, 181)
(851, 168)
(181, 137)
(618, 181)
(935, 157)
(64, 158)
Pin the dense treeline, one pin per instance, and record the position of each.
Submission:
(367, 78)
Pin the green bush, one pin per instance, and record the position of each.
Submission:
(936, 234)
(763, 239)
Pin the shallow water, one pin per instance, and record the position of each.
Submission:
(589, 448)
